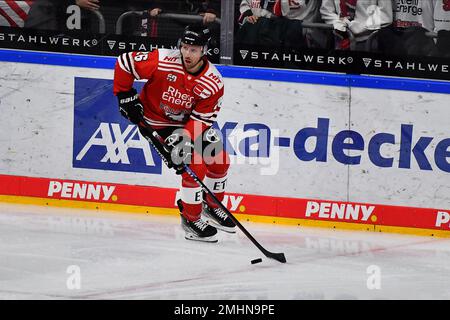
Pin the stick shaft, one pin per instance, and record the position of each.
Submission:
(157, 141)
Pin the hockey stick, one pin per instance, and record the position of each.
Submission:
(158, 143)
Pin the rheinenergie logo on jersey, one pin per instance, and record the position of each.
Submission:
(102, 138)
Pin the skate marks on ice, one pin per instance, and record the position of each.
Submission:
(126, 256)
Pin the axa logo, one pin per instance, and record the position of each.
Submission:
(81, 191)
(114, 147)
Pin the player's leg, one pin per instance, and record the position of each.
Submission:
(217, 162)
(190, 202)
(190, 206)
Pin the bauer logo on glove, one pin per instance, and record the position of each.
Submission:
(130, 106)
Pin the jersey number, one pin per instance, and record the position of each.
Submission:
(141, 57)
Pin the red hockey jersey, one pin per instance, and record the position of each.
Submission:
(172, 97)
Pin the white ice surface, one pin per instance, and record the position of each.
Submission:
(127, 256)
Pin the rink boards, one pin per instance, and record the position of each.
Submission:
(306, 148)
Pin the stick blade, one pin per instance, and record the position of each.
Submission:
(277, 256)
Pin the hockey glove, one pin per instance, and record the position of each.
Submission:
(130, 106)
(181, 151)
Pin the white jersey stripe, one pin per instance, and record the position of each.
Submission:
(211, 89)
(210, 118)
(211, 82)
(163, 124)
(154, 121)
(131, 64)
(210, 114)
(124, 61)
(166, 65)
(207, 122)
(178, 63)
(171, 70)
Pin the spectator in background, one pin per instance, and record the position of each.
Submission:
(252, 10)
(360, 17)
(89, 23)
(257, 25)
(441, 15)
(170, 29)
(409, 33)
(88, 4)
(47, 15)
(303, 10)
(413, 14)
(52, 14)
(208, 9)
(297, 12)
(14, 13)
(441, 20)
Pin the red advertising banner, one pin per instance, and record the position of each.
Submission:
(244, 204)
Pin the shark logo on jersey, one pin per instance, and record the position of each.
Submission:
(103, 139)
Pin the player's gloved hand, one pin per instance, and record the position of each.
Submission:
(130, 106)
(182, 149)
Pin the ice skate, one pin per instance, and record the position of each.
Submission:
(198, 230)
(218, 218)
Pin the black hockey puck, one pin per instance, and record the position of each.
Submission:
(256, 260)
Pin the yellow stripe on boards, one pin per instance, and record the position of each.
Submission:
(122, 208)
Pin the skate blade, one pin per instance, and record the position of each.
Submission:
(193, 237)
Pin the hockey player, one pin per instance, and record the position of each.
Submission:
(252, 10)
(181, 100)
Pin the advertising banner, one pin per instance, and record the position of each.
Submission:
(103, 139)
(313, 152)
(351, 62)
